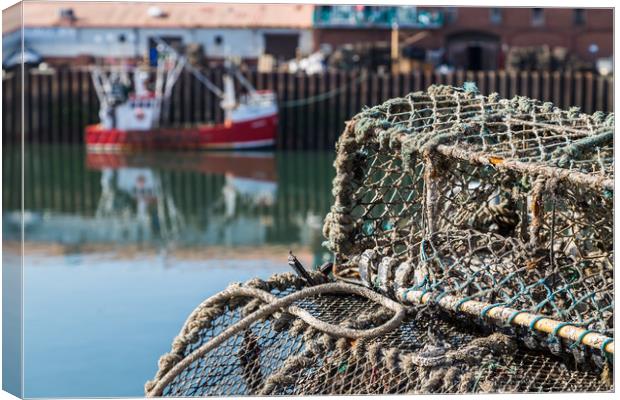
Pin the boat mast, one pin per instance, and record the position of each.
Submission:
(227, 96)
(103, 88)
(172, 65)
(173, 74)
(245, 82)
(228, 102)
(201, 78)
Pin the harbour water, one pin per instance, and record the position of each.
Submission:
(119, 249)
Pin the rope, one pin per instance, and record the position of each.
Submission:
(380, 357)
(322, 96)
(304, 360)
(502, 315)
(274, 304)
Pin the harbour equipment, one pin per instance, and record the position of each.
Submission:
(473, 252)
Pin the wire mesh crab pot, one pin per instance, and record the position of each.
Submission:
(472, 241)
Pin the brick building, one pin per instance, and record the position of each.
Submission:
(473, 37)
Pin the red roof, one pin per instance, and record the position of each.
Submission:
(12, 18)
(173, 15)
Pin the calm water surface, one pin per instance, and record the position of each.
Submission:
(121, 248)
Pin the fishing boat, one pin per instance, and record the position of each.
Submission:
(130, 120)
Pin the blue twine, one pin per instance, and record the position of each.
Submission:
(513, 316)
(486, 309)
(534, 321)
(579, 340)
(422, 295)
(460, 303)
(415, 287)
(439, 297)
(422, 252)
(423, 283)
(560, 326)
(553, 338)
(605, 343)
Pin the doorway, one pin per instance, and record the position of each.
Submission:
(473, 50)
(474, 58)
(281, 46)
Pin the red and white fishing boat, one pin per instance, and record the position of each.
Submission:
(131, 121)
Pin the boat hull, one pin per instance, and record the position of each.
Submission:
(251, 134)
(259, 166)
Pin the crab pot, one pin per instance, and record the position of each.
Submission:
(508, 202)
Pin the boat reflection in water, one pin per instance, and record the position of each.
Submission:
(198, 205)
(139, 200)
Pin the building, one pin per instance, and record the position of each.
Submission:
(473, 38)
(77, 32)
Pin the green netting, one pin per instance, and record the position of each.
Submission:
(507, 202)
(473, 252)
(428, 352)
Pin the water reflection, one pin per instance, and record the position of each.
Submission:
(141, 203)
(120, 248)
(172, 201)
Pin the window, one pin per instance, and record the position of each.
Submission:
(538, 17)
(176, 42)
(496, 16)
(281, 46)
(218, 40)
(579, 16)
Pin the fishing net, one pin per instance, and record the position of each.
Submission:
(473, 252)
(281, 354)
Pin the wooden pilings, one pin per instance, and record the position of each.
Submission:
(314, 108)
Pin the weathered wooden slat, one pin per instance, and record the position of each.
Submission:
(588, 101)
(513, 77)
(546, 86)
(327, 123)
(61, 102)
(568, 88)
(417, 80)
(610, 94)
(557, 88)
(481, 80)
(28, 111)
(289, 126)
(578, 90)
